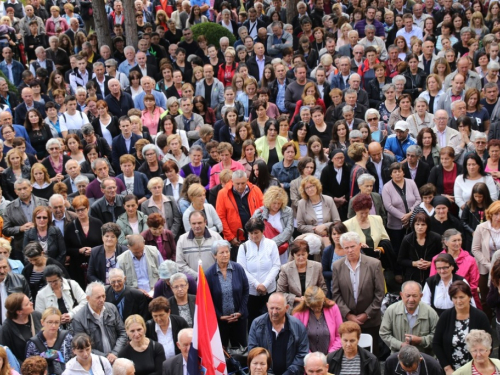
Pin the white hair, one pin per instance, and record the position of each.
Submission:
(90, 288)
(349, 237)
(116, 272)
(121, 365)
(54, 197)
(318, 355)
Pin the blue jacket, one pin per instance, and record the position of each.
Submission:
(337, 82)
(17, 71)
(21, 110)
(140, 184)
(240, 289)
(119, 148)
(397, 148)
(286, 175)
(21, 132)
(160, 99)
(298, 343)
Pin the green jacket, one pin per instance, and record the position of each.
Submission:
(124, 225)
(467, 368)
(395, 325)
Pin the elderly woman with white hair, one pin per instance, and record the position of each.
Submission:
(228, 285)
(152, 167)
(421, 118)
(389, 105)
(197, 196)
(56, 160)
(492, 75)
(163, 287)
(399, 83)
(182, 303)
(378, 128)
(16, 266)
(366, 182)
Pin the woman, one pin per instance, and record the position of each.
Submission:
(46, 234)
(151, 114)
(162, 204)
(139, 130)
(322, 327)
(473, 173)
(261, 177)
(159, 236)
(389, 105)
(360, 156)
(493, 162)
(227, 69)
(135, 182)
(174, 93)
(60, 293)
(300, 137)
(16, 266)
(421, 119)
(196, 166)
(248, 96)
(84, 361)
(195, 17)
(259, 361)
(228, 132)
(55, 24)
(197, 196)
(478, 344)
(427, 140)
(249, 155)
(433, 93)
(453, 326)
(299, 274)
(20, 318)
(403, 111)
(315, 211)
(177, 152)
(415, 77)
(174, 182)
(151, 168)
(374, 88)
(443, 176)
(350, 334)
(201, 108)
(310, 54)
(225, 151)
(286, 170)
(400, 197)
(135, 87)
(16, 169)
(52, 342)
(310, 89)
(56, 82)
(474, 212)
(104, 257)
(492, 74)
(400, 42)
(147, 355)
(418, 249)
(259, 257)
(87, 235)
(270, 146)
(370, 227)
(306, 167)
(319, 127)
(132, 221)
(332, 252)
(258, 125)
(8, 134)
(366, 68)
(442, 219)
(56, 160)
(75, 148)
(38, 132)
(106, 125)
(183, 201)
(229, 287)
(229, 102)
(182, 302)
(482, 62)
(168, 126)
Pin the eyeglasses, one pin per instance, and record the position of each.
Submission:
(479, 351)
(480, 142)
(442, 268)
(80, 210)
(42, 218)
(310, 187)
(178, 287)
(54, 282)
(54, 148)
(372, 119)
(51, 323)
(109, 66)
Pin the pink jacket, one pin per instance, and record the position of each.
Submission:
(333, 320)
(467, 268)
(217, 169)
(50, 27)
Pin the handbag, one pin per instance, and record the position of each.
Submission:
(271, 232)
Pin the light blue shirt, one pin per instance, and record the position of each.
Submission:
(127, 142)
(141, 270)
(280, 97)
(11, 76)
(160, 99)
(59, 223)
(415, 31)
(261, 64)
(200, 3)
(125, 67)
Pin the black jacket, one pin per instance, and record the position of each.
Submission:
(11, 336)
(253, 67)
(103, 148)
(428, 366)
(15, 283)
(34, 288)
(423, 172)
(113, 127)
(273, 89)
(335, 190)
(174, 308)
(56, 249)
(387, 160)
(369, 363)
(436, 177)
(99, 210)
(177, 323)
(135, 302)
(359, 112)
(97, 263)
(414, 83)
(375, 94)
(50, 169)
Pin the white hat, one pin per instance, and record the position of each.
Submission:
(401, 125)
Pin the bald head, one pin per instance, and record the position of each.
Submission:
(375, 151)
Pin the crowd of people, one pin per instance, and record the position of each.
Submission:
(336, 173)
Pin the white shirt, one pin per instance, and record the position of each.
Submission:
(442, 299)
(354, 275)
(166, 339)
(378, 167)
(339, 174)
(3, 295)
(74, 122)
(441, 138)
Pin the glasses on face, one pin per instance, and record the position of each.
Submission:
(372, 119)
(442, 268)
(51, 323)
(481, 142)
(310, 187)
(80, 210)
(54, 149)
(54, 282)
(179, 287)
(42, 218)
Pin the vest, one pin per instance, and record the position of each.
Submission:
(18, 9)
(203, 175)
(48, 63)
(127, 264)
(433, 281)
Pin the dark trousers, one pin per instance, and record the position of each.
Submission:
(256, 307)
(374, 333)
(236, 333)
(396, 236)
(484, 290)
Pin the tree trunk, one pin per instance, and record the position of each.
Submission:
(101, 24)
(291, 10)
(130, 24)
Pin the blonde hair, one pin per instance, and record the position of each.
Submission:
(136, 119)
(51, 311)
(275, 194)
(196, 190)
(5, 244)
(172, 137)
(135, 319)
(154, 181)
(309, 180)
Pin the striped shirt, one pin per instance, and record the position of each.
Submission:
(351, 366)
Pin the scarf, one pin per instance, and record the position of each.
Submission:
(58, 169)
(57, 22)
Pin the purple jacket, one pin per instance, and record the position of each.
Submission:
(394, 204)
(94, 188)
(164, 290)
(360, 28)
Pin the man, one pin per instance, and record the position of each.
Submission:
(73, 170)
(414, 168)
(40, 10)
(189, 121)
(42, 62)
(7, 97)
(119, 102)
(315, 364)
(371, 40)
(358, 287)
(129, 62)
(410, 361)
(106, 54)
(147, 70)
(418, 15)
(148, 85)
(278, 40)
(18, 215)
(347, 50)
(257, 62)
(10, 283)
(81, 182)
(381, 162)
(74, 27)
(350, 120)
(472, 79)
(454, 93)
(101, 321)
(123, 366)
(302, 9)
(490, 102)
(189, 44)
(277, 88)
(123, 143)
(459, 109)
(277, 7)
(358, 59)
(397, 144)
(110, 205)
(140, 263)
(200, 238)
(446, 9)
(147, 16)
(350, 97)
(253, 24)
(262, 38)
(116, 16)
(295, 89)
(236, 205)
(317, 14)
(283, 335)
(409, 322)
(428, 58)
(60, 216)
(12, 69)
(178, 364)
(409, 29)
(101, 170)
(362, 95)
(20, 130)
(101, 79)
(210, 88)
(72, 119)
(341, 80)
(461, 47)
(446, 136)
(57, 55)
(370, 20)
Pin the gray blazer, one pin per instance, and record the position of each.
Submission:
(306, 217)
(371, 290)
(377, 202)
(217, 94)
(172, 214)
(286, 219)
(289, 280)
(174, 365)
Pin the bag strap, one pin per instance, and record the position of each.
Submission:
(402, 194)
(72, 294)
(102, 365)
(245, 247)
(354, 179)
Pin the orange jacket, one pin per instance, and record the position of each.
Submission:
(228, 210)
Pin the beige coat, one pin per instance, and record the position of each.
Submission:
(481, 247)
(377, 229)
(306, 216)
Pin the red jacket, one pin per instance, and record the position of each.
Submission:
(228, 210)
(221, 74)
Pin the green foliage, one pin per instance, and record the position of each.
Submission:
(213, 32)
(11, 86)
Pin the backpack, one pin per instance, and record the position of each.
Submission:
(54, 357)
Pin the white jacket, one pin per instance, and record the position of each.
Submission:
(100, 366)
(46, 298)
